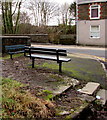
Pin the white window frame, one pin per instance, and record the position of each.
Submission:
(91, 31)
(94, 7)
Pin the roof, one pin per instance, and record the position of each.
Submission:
(89, 1)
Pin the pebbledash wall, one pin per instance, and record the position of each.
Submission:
(84, 22)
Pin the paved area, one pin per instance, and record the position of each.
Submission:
(90, 88)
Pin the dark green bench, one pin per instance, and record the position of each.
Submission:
(58, 55)
(15, 49)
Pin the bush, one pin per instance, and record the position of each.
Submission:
(67, 39)
(54, 38)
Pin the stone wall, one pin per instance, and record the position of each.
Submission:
(84, 11)
(14, 40)
(69, 39)
(37, 38)
(104, 10)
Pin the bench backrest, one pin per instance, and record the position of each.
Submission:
(14, 47)
(47, 51)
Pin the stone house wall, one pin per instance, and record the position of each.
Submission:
(84, 11)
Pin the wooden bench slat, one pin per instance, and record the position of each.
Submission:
(16, 52)
(47, 49)
(47, 52)
(48, 57)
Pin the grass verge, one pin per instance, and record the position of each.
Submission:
(82, 69)
(18, 103)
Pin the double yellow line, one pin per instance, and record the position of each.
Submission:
(88, 56)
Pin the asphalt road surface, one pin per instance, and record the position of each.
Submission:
(99, 53)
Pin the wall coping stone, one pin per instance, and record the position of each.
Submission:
(15, 37)
(89, 1)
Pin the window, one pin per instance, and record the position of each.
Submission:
(95, 31)
(94, 11)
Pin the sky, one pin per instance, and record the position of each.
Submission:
(54, 21)
(62, 1)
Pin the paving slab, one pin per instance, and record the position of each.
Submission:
(61, 89)
(102, 94)
(90, 88)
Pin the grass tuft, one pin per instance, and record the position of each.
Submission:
(18, 104)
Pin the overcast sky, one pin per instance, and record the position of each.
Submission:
(62, 1)
(54, 20)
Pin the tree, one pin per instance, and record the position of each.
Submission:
(72, 9)
(65, 13)
(23, 19)
(7, 16)
(43, 11)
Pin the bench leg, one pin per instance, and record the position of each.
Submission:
(24, 53)
(11, 56)
(60, 66)
(33, 59)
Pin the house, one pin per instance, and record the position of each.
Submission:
(92, 22)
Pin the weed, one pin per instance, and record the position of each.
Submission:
(47, 91)
(47, 94)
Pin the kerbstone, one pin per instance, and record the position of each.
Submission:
(90, 88)
(103, 96)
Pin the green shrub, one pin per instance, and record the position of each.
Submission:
(54, 38)
(67, 39)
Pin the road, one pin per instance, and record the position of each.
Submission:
(94, 51)
(99, 53)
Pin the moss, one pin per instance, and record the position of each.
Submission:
(68, 117)
(56, 77)
(48, 97)
(47, 94)
(47, 91)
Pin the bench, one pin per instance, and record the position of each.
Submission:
(15, 49)
(47, 54)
